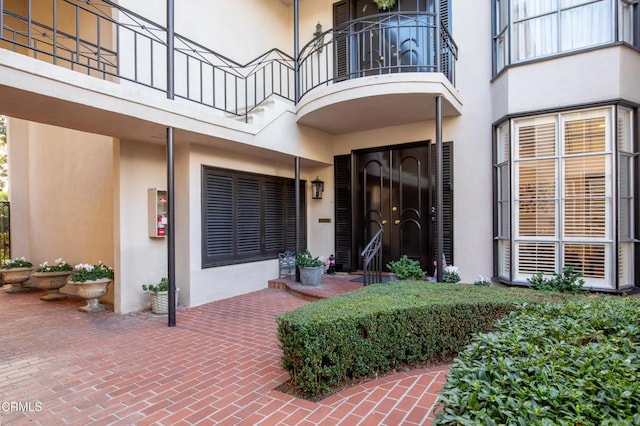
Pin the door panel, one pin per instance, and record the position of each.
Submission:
(393, 188)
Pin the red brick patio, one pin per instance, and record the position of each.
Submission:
(220, 365)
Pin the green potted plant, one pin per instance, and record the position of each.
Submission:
(384, 4)
(405, 269)
(451, 274)
(311, 268)
(52, 277)
(16, 272)
(92, 282)
(159, 295)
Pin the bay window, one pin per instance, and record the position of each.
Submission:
(529, 29)
(566, 196)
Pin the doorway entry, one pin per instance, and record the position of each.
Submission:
(392, 188)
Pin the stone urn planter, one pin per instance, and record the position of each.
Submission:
(16, 277)
(311, 276)
(92, 291)
(52, 282)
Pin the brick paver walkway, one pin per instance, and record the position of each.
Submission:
(219, 366)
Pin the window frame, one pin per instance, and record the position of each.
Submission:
(503, 32)
(618, 273)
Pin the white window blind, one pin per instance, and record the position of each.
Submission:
(563, 195)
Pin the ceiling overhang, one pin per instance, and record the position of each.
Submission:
(378, 101)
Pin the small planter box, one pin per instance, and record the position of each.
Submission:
(160, 301)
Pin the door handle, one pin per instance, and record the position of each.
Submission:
(384, 222)
(397, 221)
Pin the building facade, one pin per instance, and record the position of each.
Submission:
(536, 169)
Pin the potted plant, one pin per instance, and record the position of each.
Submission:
(451, 274)
(92, 282)
(52, 278)
(405, 269)
(159, 294)
(384, 4)
(16, 272)
(311, 268)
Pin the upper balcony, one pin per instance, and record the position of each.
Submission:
(377, 71)
(380, 70)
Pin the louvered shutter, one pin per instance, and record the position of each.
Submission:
(274, 216)
(342, 177)
(248, 216)
(341, 40)
(290, 208)
(445, 56)
(218, 217)
(447, 200)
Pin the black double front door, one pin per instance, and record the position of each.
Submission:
(393, 195)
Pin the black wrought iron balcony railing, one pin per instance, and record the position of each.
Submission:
(384, 43)
(104, 40)
(85, 36)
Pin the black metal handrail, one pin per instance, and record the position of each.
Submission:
(384, 43)
(133, 48)
(138, 53)
(372, 260)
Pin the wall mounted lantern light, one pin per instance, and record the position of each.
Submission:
(318, 44)
(317, 188)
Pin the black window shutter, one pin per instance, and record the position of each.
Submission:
(342, 178)
(275, 219)
(248, 214)
(447, 199)
(290, 201)
(218, 208)
(445, 14)
(341, 35)
(247, 217)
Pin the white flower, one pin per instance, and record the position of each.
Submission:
(44, 264)
(450, 269)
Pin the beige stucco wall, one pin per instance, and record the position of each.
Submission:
(240, 30)
(604, 75)
(61, 194)
(141, 259)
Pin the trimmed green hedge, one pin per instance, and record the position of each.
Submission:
(379, 327)
(569, 364)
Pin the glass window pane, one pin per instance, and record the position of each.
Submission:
(537, 198)
(523, 9)
(587, 194)
(502, 140)
(625, 22)
(504, 259)
(535, 37)
(534, 257)
(627, 265)
(537, 140)
(625, 130)
(588, 259)
(586, 26)
(585, 135)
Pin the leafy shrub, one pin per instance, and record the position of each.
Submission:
(569, 364)
(372, 330)
(406, 269)
(567, 282)
(163, 285)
